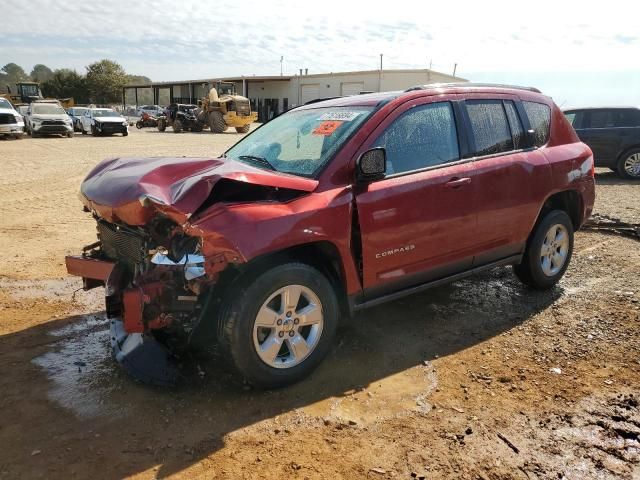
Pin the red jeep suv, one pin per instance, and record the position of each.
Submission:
(325, 210)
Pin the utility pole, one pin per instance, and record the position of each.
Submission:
(281, 59)
(380, 75)
(455, 67)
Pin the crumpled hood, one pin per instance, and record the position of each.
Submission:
(132, 190)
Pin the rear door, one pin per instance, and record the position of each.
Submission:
(419, 222)
(510, 177)
(598, 129)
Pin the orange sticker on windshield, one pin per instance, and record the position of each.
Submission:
(327, 128)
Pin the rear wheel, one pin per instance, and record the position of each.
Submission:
(279, 324)
(139, 124)
(629, 164)
(177, 125)
(243, 129)
(216, 122)
(548, 252)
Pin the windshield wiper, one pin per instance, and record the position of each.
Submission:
(258, 159)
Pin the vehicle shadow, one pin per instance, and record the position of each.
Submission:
(87, 401)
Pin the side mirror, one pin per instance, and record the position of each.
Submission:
(372, 165)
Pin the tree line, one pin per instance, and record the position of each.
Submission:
(101, 83)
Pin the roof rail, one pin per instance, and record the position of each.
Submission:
(470, 85)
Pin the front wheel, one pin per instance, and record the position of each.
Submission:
(162, 125)
(177, 125)
(216, 122)
(139, 124)
(548, 252)
(243, 129)
(629, 165)
(278, 325)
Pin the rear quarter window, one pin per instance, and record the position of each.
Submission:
(540, 120)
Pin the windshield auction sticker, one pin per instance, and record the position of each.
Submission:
(327, 128)
(339, 116)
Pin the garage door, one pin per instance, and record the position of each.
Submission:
(310, 92)
(351, 88)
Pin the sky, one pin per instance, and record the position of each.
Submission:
(579, 52)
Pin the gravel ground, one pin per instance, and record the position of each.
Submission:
(481, 379)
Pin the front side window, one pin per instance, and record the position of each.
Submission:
(489, 126)
(300, 142)
(421, 137)
(540, 120)
(5, 104)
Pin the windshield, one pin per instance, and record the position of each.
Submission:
(300, 142)
(47, 109)
(5, 103)
(105, 113)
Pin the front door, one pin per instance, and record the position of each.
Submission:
(418, 223)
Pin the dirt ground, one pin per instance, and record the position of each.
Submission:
(481, 379)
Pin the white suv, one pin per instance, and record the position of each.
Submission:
(45, 118)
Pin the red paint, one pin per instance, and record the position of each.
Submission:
(439, 220)
(89, 267)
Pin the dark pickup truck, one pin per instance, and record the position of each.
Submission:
(325, 210)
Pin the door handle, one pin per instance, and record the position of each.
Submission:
(457, 182)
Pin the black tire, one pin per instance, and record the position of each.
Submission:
(239, 311)
(177, 125)
(18, 137)
(162, 125)
(70, 135)
(94, 131)
(33, 134)
(124, 134)
(243, 129)
(216, 122)
(83, 130)
(530, 271)
(139, 124)
(197, 128)
(620, 167)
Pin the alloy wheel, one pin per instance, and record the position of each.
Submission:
(632, 165)
(553, 254)
(288, 326)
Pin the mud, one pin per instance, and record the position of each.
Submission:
(481, 379)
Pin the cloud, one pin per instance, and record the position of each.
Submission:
(196, 39)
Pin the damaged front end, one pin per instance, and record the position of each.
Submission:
(154, 280)
(158, 266)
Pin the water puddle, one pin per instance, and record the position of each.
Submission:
(80, 368)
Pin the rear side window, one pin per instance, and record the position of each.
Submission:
(517, 132)
(489, 126)
(421, 137)
(540, 119)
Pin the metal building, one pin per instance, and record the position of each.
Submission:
(271, 95)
